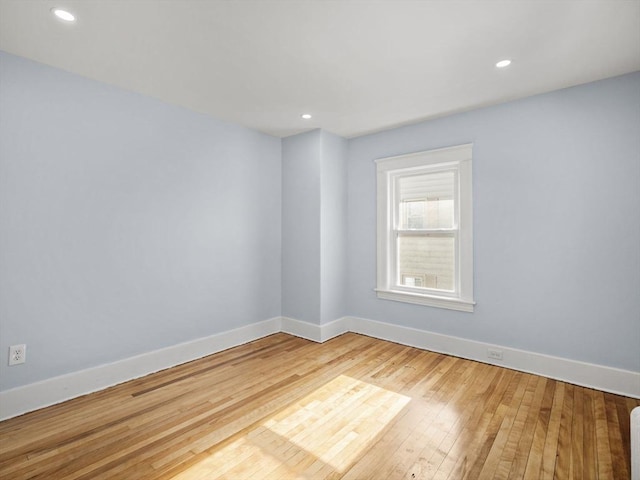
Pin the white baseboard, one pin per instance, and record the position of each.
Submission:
(19, 400)
(599, 377)
(316, 333)
(65, 387)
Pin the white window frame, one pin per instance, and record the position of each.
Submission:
(389, 170)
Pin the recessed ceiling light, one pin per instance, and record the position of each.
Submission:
(63, 15)
(503, 63)
(306, 116)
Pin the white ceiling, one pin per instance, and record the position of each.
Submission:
(357, 66)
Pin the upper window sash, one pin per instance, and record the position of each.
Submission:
(394, 179)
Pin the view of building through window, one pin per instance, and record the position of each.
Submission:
(426, 250)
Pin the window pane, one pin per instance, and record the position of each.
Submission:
(426, 201)
(426, 261)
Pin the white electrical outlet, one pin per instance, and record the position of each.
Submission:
(17, 354)
(494, 354)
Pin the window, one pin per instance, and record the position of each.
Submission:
(425, 243)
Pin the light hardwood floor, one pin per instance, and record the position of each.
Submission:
(352, 408)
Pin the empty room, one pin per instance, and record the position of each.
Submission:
(318, 239)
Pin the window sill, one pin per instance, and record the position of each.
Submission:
(428, 300)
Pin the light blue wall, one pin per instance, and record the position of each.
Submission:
(127, 224)
(333, 226)
(314, 226)
(556, 223)
(301, 163)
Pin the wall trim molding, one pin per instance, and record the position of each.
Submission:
(34, 396)
(599, 377)
(314, 332)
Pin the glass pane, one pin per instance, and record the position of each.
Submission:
(426, 262)
(426, 201)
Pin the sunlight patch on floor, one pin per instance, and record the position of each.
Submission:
(323, 433)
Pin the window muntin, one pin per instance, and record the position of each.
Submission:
(424, 228)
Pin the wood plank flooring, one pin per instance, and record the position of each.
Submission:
(351, 408)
